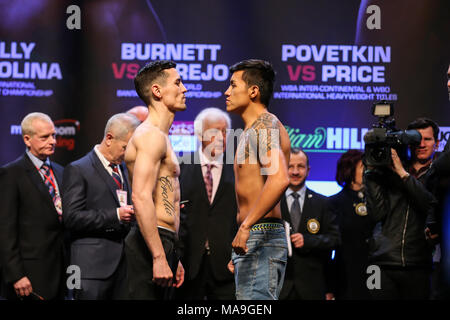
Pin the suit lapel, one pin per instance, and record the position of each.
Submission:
(97, 164)
(58, 171)
(36, 179)
(199, 174)
(307, 210)
(221, 186)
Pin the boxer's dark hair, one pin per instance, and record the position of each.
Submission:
(150, 73)
(257, 73)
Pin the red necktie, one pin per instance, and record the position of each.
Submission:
(116, 175)
(51, 185)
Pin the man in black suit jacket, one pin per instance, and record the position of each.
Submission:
(314, 233)
(31, 234)
(97, 212)
(208, 221)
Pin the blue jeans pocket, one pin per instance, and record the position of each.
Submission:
(277, 269)
(245, 269)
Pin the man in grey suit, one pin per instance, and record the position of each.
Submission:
(97, 212)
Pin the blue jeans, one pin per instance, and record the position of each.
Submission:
(259, 274)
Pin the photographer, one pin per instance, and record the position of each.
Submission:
(399, 205)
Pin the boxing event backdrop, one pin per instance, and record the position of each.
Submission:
(333, 59)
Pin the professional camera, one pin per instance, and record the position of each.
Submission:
(384, 135)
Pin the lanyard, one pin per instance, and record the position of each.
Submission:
(50, 178)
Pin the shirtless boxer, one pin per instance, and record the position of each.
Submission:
(261, 171)
(154, 170)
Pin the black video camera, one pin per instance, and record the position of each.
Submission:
(384, 135)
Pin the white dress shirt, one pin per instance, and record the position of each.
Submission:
(38, 164)
(105, 164)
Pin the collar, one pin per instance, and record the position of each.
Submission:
(204, 160)
(102, 158)
(301, 192)
(36, 161)
(421, 171)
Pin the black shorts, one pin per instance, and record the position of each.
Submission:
(140, 265)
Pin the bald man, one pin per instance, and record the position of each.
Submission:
(98, 212)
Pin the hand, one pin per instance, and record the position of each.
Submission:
(230, 266)
(297, 240)
(397, 165)
(179, 277)
(162, 274)
(329, 296)
(126, 213)
(239, 243)
(429, 235)
(23, 287)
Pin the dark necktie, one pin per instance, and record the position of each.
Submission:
(116, 175)
(208, 181)
(296, 212)
(50, 183)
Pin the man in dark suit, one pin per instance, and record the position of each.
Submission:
(208, 220)
(31, 233)
(314, 233)
(97, 212)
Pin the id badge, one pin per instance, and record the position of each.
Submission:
(122, 196)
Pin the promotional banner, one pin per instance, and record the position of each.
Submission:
(333, 60)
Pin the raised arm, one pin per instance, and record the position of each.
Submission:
(150, 150)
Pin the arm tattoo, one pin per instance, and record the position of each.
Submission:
(259, 139)
(267, 129)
